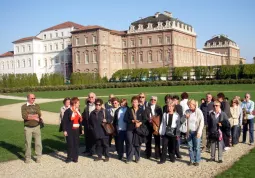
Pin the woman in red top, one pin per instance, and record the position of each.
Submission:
(72, 126)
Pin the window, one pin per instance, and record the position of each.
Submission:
(23, 63)
(2, 65)
(39, 62)
(56, 34)
(125, 59)
(141, 58)
(86, 40)
(18, 64)
(45, 63)
(17, 49)
(62, 58)
(29, 48)
(62, 45)
(51, 47)
(8, 65)
(160, 56)
(29, 62)
(149, 41)
(50, 36)
(51, 61)
(168, 39)
(62, 33)
(86, 58)
(45, 48)
(78, 61)
(77, 41)
(140, 42)
(132, 43)
(159, 40)
(57, 60)
(23, 49)
(124, 43)
(132, 59)
(94, 39)
(149, 57)
(44, 36)
(56, 46)
(94, 57)
(12, 65)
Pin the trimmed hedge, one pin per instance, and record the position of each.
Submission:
(127, 85)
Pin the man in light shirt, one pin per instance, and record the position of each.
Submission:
(248, 105)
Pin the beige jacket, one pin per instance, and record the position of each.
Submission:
(235, 115)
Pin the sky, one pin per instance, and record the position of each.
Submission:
(234, 18)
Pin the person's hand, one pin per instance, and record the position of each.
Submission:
(133, 121)
(82, 132)
(198, 135)
(65, 133)
(219, 124)
(187, 115)
(36, 119)
(104, 120)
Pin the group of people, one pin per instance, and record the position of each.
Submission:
(216, 123)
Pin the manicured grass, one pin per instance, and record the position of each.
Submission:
(136, 90)
(12, 140)
(9, 101)
(244, 168)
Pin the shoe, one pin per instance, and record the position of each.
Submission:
(161, 162)
(196, 164)
(220, 161)
(179, 157)
(38, 160)
(137, 161)
(127, 162)
(98, 159)
(190, 163)
(211, 160)
(227, 148)
(157, 158)
(106, 159)
(68, 161)
(251, 144)
(75, 161)
(27, 161)
(120, 158)
(173, 160)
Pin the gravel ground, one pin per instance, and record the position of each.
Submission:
(53, 165)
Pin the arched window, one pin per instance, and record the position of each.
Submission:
(45, 62)
(12, 65)
(29, 62)
(8, 65)
(86, 57)
(132, 59)
(18, 64)
(94, 57)
(141, 58)
(149, 57)
(78, 61)
(23, 63)
(2, 65)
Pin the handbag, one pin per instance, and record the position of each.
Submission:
(183, 127)
(108, 127)
(170, 131)
(155, 124)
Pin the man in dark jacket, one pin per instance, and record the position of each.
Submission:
(206, 108)
(153, 110)
(217, 124)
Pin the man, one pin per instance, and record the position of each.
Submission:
(217, 120)
(153, 110)
(206, 108)
(248, 105)
(108, 104)
(89, 140)
(184, 101)
(31, 114)
(142, 101)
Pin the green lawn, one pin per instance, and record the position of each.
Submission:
(9, 101)
(12, 140)
(164, 89)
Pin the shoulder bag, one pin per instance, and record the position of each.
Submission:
(108, 127)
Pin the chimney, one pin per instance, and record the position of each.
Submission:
(157, 14)
(169, 14)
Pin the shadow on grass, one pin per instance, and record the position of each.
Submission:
(18, 151)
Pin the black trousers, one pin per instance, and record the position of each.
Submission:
(89, 141)
(102, 147)
(168, 142)
(234, 134)
(73, 144)
(157, 145)
(226, 139)
(120, 138)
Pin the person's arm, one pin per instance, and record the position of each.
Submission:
(65, 121)
(251, 108)
(201, 123)
(24, 113)
(241, 116)
(108, 117)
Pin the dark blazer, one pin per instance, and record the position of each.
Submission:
(67, 123)
(179, 110)
(213, 122)
(95, 123)
(206, 108)
(140, 115)
(225, 107)
(158, 112)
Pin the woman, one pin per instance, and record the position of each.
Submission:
(66, 103)
(135, 117)
(235, 120)
(195, 124)
(120, 128)
(167, 99)
(72, 130)
(171, 120)
(96, 118)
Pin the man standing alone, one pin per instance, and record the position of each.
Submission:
(31, 114)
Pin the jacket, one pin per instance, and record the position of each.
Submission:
(225, 107)
(67, 123)
(236, 116)
(116, 119)
(213, 123)
(206, 108)
(176, 119)
(140, 115)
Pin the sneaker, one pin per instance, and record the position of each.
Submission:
(106, 159)
(27, 161)
(227, 148)
(38, 160)
(137, 161)
(127, 162)
(68, 161)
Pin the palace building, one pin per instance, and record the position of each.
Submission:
(155, 41)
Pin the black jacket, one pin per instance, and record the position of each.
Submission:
(67, 123)
(158, 112)
(206, 108)
(140, 115)
(225, 107)
(213, 123)
(95, 123)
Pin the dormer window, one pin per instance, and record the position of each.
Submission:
(214, 44)
(132, 28)
(149, 25)
(140, 27)
(160, 24)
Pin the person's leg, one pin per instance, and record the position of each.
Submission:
(190, 145)
(234, 135)
(99, 148)
(69, 142)
(76, 144)
(213, 149)
(105, 143)
(220, 149)
(204, 140)
(164, 149)
(148, 145)
(28, 140)
(208, 142)
(197, 148)
(116, 143)
(177, 148)
(120, 141)
(130, 149)
(245, 128)
(157, 146)
(38, 142)
(172, 141)
(110, 141)
(137, 150)
(251, 130)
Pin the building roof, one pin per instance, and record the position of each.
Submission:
(219, 38)
(27, 39)
(63, 25)
(158, 17)
(96, 27)
(7, 54)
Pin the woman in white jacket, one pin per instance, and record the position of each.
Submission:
(169, 130)
(195, 124)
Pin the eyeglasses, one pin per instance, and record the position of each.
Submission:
(115, 103)
(98, 104)
(153, 100)
(91, 96)
(246, 96)
(141, 96)
(216, 105)
(33, 98)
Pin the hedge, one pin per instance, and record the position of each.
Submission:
(127, 85)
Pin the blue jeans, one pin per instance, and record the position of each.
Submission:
(250, 122)
(194, 147)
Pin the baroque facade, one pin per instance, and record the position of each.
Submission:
(47, 52)
(151, 42)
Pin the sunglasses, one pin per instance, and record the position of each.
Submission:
(115, 103)
(216, 105)
(153, 100)
(91, 97)
(98, 104)
(33, 98)
(141, 97)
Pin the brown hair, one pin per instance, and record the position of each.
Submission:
(64, 101)
(124, 100)
(98, 100)
(234, 101)
(184, 95)
(74, 100)
(134, 98)
(114, 99)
